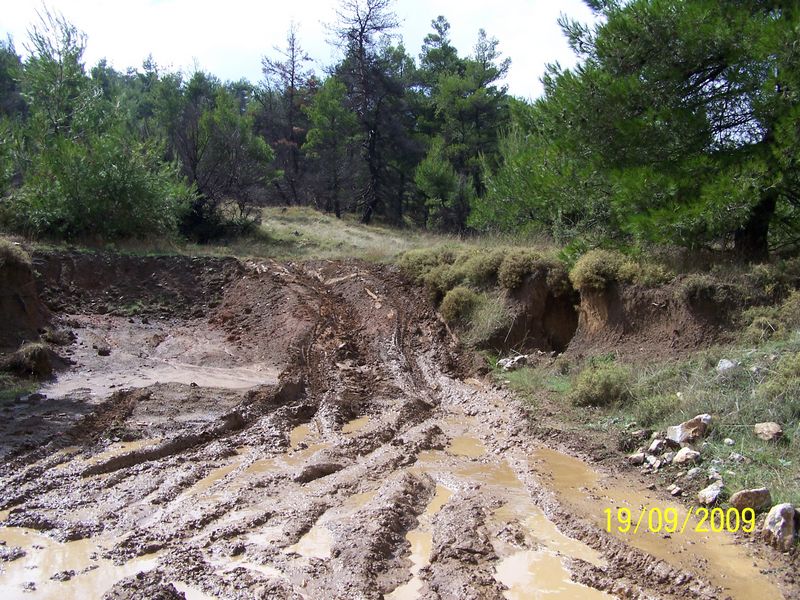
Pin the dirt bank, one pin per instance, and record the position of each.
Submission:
(312, 431)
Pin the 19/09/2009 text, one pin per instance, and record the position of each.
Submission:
(667, 520)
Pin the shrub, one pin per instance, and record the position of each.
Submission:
(597, 269)
(516, 266)
(644, 273)
(602, 385)
(763, 323)
(418, 262)
(105, 185)
(652, 410)
(489, 316)
(457, 304)
(13, 256)
(482, 268)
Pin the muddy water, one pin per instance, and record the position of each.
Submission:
(298, 434)
(355, 425)
(589, 494)
(46, 557)
(465, 464)
(104, 383)
(466, 446)
(192, 593)
(539, 575)
(317, 543)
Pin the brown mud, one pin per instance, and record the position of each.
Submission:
(307, 431)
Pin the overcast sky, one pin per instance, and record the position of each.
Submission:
(229, 37)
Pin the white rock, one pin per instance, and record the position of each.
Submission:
(690, 430)
(780, 526)
(686, 455)
(768, 431)
(725, 366)
(636, 458)
(709, 495)
(657, 447)
(728, 442)
(513, 362)
(693, 472)
(736, 457)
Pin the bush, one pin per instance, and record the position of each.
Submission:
(652, 410)
(107, 186)
(418, 262)
(602, 385)
(597, 269)
(763, 323)
(482, 268)
(12, 255)
(458, 304)
(489, 316)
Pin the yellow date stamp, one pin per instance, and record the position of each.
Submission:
(654, 519)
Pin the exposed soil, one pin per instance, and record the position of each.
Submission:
(639, 321)
(267, 430)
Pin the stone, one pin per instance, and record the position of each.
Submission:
(103, 351)
(780, 526)
(636, 459)
(686, 455)
(693, 472)
(690, 430)
(513, 362)
(676, 491)
(710, 494)
(737, 458)
(726, 366)
(728, 442)
(768, 431)
(668, 457)
(758, 499)
(657, 447)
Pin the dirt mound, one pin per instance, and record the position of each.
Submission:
(103, 282)
(21, 311)
(658, 322)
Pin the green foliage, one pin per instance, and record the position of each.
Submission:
(675, 127)
(603, 385)
(776, 322)
(105, 186)
(597, 269)
(488, 317)
(458, 304)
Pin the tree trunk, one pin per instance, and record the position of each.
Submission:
(750, 241)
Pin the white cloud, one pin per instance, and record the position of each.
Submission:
(229, 38)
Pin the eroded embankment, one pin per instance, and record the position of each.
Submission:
(361, 461)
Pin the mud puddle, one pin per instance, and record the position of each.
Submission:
(84, 572)
(536, 562)
(590, 493)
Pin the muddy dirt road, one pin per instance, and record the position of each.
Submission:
(311, 431)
